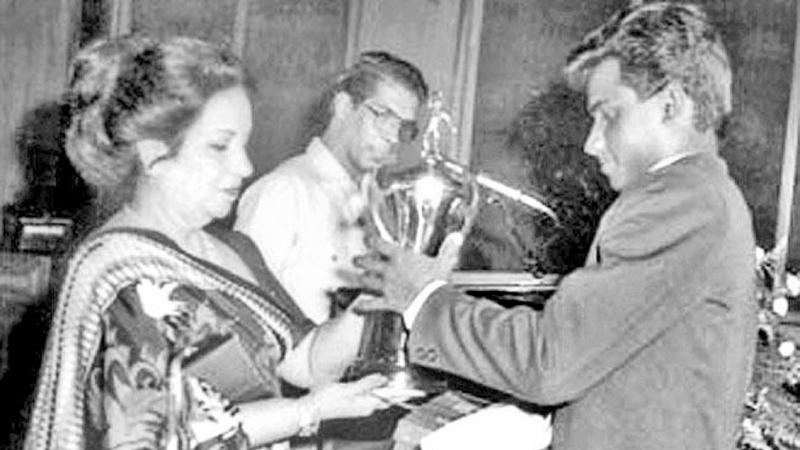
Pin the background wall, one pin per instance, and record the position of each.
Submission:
(294, 47)
(33, 70)
(524, 44)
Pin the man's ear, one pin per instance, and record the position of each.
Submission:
(676, 104)
(150, 152)
(342, 102)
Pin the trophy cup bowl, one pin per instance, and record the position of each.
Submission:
(418, 207)
(415, 208)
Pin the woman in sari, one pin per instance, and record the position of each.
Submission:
(168, 334)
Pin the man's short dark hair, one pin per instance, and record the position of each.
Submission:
(657, 43)
(361, 79)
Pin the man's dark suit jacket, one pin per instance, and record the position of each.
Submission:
(649, 346)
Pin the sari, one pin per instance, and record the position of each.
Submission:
(133, 309)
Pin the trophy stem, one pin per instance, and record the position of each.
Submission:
(401, 350)
(383, 350)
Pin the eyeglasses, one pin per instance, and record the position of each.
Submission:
(657, 88)
(390, 124)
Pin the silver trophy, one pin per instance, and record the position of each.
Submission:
(417, 208)
(414, 208)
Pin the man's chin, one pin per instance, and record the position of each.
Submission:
(220, 211)
(616, 183)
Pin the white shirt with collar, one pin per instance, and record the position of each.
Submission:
(668, 161)
(303, 216)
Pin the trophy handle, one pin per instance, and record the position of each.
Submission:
(471, 211)
(375, 195)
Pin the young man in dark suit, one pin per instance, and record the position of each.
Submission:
(650, 344)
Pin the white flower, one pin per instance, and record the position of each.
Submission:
(787, 348)
(212, 415)
(155, 298)
(780, 306)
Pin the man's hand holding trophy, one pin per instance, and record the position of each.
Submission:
(400, 287)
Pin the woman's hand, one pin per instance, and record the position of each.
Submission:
(355, 399)
(273, 419)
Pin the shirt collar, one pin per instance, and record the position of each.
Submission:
(668, 161)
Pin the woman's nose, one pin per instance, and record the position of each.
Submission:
(241, 164)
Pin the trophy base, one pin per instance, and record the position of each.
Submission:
(410, 379)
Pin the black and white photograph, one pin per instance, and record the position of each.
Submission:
(399, 225)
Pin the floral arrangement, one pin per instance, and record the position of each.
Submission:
(772, 408)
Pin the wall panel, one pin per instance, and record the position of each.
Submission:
(293, 48)
(524, 45)
(33, 70)
(207, 19)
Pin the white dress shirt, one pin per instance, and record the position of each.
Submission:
(303, 216)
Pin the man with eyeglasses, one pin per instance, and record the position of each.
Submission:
(304, 215)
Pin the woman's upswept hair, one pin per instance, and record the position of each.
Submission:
(658, 43)
(127, 89)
